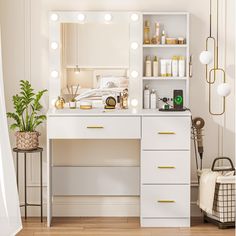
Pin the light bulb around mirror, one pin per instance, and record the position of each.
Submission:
(107, 17)
(53, 101)
(205, 57)
(54, 17)
(134, 74)
(224, 89)
(134, 45)
(134, 102)
(134, 17)
(81, 18)
(54, 74)
(54, 45)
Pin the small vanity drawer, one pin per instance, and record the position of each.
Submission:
(165, 201)
(166, 133)
(94, 127)
(165, 167)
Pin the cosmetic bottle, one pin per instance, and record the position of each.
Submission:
(155, 67)
(181, 66)
(168, 68)
(163, 67)
(153, 99)
(148, 67)
(146, 33)
(174, 66)
(163, 37)
(125, 99)
(146, 97)
(157, 28)
(118, 101)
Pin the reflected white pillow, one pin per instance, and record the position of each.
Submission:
(113, 82)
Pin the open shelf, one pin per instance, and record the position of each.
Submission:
(164, 78)
(165, 45)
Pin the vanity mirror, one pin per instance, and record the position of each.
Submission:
(99, 51)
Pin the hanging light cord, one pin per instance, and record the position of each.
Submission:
(210, 17)
(217, 35)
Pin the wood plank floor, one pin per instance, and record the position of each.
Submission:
(122, 226)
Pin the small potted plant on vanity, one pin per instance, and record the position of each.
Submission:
(27, 116)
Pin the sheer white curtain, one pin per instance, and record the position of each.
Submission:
(10, 220)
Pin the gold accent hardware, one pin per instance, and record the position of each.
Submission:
(209, 78)
(166, 201)
(95, 127)
(166, 167)
(166, 132)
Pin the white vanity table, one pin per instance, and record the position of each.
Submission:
(162, 180)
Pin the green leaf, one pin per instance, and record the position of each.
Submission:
(27, 105)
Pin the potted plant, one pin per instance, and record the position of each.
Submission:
(27, 116)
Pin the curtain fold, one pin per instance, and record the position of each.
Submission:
(10, 218)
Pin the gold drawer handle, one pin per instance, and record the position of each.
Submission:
(166, 167)
(166, 132)
(166, 201)
(95, 127)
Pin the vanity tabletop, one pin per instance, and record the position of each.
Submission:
(102, 112)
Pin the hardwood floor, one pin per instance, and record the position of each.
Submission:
(115, 227)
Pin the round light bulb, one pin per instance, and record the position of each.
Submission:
(206, 57)
(54, 45)
(107, 17)
(53, 101)
(54, 17)
(134, 45)
(54, 74)
(81, 17)
(134, 74)
(134, 102)
(134, 17)
(223, 89)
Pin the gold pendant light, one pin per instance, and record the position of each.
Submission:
(206, 58)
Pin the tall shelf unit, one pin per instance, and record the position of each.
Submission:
(175, 24)
(165, 146)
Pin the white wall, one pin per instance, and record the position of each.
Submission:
(25, 56)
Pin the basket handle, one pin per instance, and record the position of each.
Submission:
(222, 169)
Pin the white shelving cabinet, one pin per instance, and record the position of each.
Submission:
(165, 145)
(175, 24)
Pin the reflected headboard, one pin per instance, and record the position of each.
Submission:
(109, 72)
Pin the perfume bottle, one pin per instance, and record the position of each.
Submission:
(157, 28)
(163, 37)
(146, 33)
(125, 99)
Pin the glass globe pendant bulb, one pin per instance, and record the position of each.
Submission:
(224, 89)
(206, 57)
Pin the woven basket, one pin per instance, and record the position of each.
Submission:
(27, 140)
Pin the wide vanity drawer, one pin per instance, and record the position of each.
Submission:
(94, 127)
(166, 133)
(165, 201)
(165, 167)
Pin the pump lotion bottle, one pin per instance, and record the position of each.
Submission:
(146, 96)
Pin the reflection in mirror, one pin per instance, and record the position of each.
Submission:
(94, 56)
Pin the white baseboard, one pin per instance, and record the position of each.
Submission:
(97, 207)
